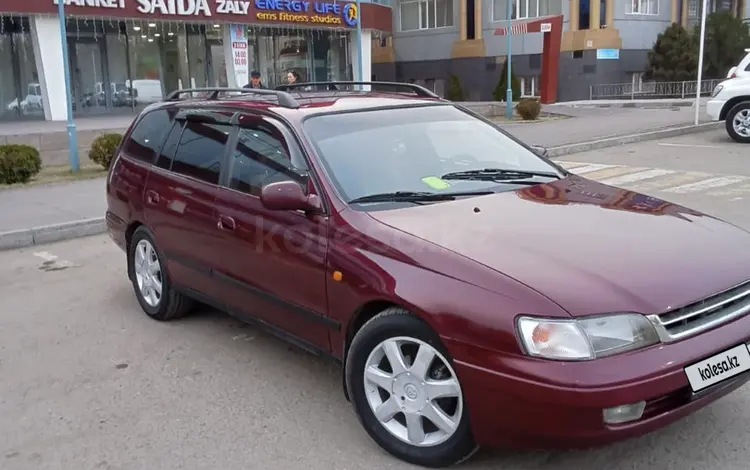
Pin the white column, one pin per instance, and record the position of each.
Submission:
(45, 33)
(366, 55)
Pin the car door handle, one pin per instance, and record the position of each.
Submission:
(226, 223)
(152, 197)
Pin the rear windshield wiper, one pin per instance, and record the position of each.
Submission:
(415, 196)
(497, 174)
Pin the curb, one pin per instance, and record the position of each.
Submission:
(97, 225)
(568, 149)
(52, 233)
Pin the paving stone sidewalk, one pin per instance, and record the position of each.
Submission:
(26, 208)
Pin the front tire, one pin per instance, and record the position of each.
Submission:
(406, 393)
(738, 122)
(150, 280)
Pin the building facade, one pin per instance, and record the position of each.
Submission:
(125, 54)
(603, 41)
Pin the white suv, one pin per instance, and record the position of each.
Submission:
(730, 102)
(742, 69)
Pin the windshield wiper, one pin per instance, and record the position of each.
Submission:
(498, 174)
(415, 196)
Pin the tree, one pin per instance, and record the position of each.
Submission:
(726, 39)
(674, 56)
(501, 89)
(455, 93)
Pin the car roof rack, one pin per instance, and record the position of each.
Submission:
(418, 90)
(285, 99)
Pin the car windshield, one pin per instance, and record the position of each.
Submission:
(420, 149)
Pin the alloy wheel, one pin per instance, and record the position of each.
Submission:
(741, 123)
(413, 391)
(148, 273)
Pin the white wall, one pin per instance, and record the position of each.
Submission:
(45, 33)
(366, 55)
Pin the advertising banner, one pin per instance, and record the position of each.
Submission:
(238, 36)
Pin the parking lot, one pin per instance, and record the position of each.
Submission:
(87, 381)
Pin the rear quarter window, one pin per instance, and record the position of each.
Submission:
(148, 135)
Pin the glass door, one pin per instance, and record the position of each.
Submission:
(91, 87)
(293, 54)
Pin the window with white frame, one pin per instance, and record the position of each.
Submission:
(530, 87)
(523, 9)
(642, 7)
(425, 14)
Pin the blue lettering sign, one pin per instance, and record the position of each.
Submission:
(295, 6)
(300, 6)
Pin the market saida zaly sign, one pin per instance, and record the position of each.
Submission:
(291, 11)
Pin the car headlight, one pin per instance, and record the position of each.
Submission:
(717, 90)
(586, 338)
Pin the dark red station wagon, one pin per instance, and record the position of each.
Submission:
(475, 292)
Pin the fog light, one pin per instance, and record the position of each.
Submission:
(624, 413)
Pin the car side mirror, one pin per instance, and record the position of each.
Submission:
(541, 151)
(288, 196)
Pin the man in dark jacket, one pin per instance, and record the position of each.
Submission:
(255, 81)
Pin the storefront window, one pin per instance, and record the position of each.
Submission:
(144, 64)
(20, 90)
(123, 66)
(217, 63)
(314, 55)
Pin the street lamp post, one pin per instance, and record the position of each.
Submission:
(700, 63)
(509, 34)
(72, 134)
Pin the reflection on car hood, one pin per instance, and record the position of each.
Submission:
(589, 247)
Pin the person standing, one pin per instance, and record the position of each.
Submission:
(255, 81)
(292, 77)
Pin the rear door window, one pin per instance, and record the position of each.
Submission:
(148, 135)
(201, 150)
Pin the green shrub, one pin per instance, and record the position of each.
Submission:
(18, 163)
(103, 149)
(529, 109)
(455, 93)
(501, 89)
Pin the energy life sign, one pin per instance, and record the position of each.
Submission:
(300, 11)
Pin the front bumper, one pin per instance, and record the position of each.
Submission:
(523, 403)
(713, 109)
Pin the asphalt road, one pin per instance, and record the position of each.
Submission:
(87, 381)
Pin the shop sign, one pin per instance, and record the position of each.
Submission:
(93, 3)
(330, 13)
(238, 36)
(301, 11)
(170, 7)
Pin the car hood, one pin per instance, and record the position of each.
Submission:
(589, 247)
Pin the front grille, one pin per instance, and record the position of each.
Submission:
(703, 315)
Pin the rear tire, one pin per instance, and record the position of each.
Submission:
(414, 410)
(148, 273)
(738, 122)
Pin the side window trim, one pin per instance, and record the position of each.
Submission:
(157, 154)
(227, 162)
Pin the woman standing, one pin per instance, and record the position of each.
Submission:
(292, 77)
